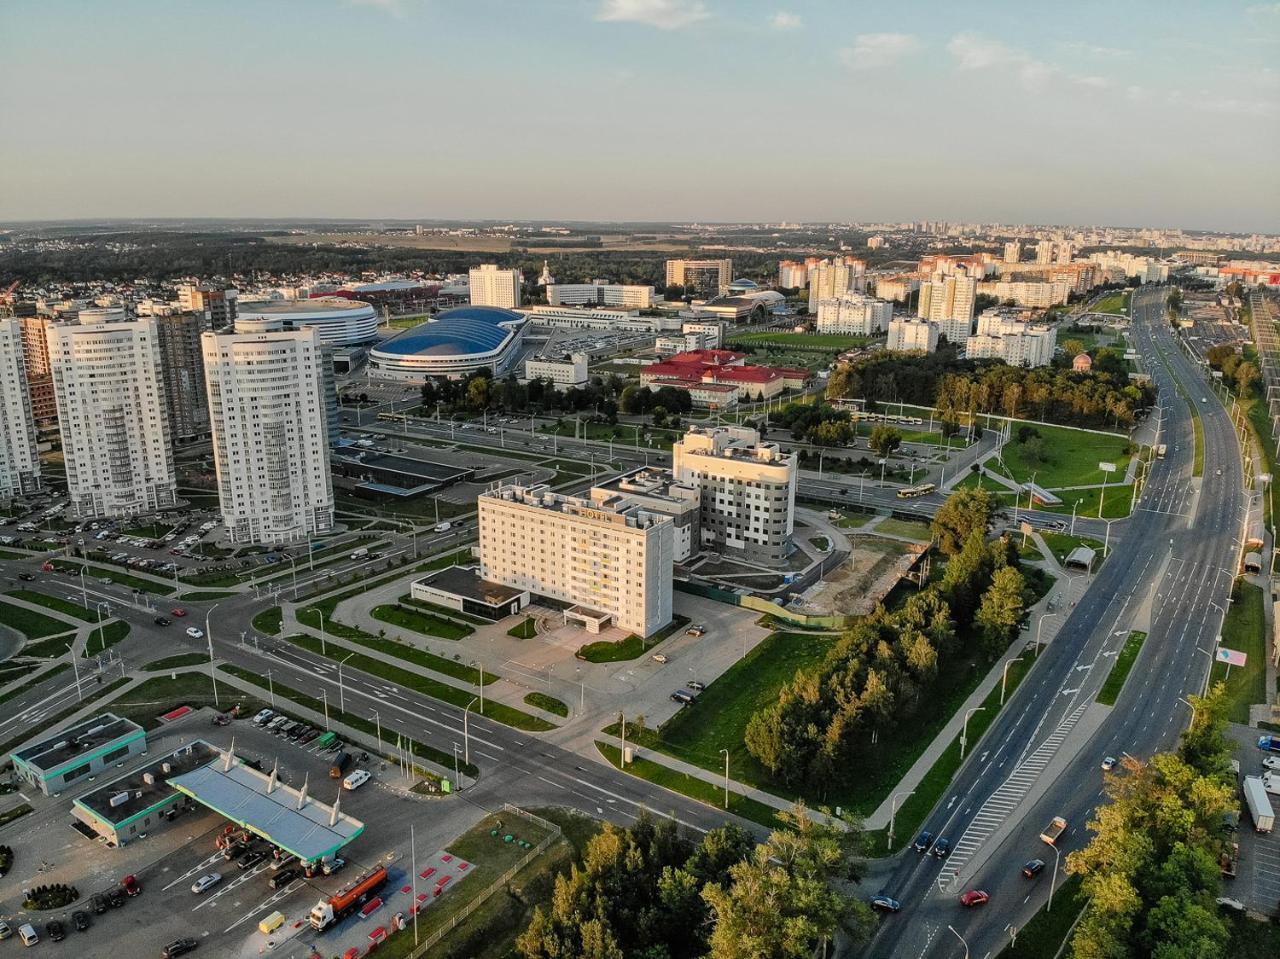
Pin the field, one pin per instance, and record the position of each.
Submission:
(1070, 457)
(1244, 630)
(1117, 303)
(421, 622)
(31, 624)
(829, 342)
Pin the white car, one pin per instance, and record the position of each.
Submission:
(1226, 902)
(195, 632)
(660, 658)
(262, 716)
(1271, 762)
(356, 779)
(206, 882)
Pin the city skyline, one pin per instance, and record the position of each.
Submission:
(673, 110)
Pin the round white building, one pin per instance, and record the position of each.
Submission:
(339, 321)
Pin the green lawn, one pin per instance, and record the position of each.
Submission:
(50, 648)
(391, 647)
(932, 787)
(1120, 669)
(445, 611)
(982, 481)
(904, 528)
(31, 624)
(269, 621)
(826, 342)
(105, 637)
(632, 647)
(499, 712)
(1070, 457)
(1043, 935)
(205, 595)
(1244, 630)
(176, 662)
(1062, 544)
(1260, 425)
(151, 699)
(549, 703)
(525, 629)
(421, 622)
(693, 786)
(1117, 303)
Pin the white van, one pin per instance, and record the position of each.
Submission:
(356, 779)
(27, 933)
(361, 553)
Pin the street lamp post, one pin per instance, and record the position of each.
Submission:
(964, 733)
(377, 722)
(208, 635)
(324, 694)
(479, 665)
(324, 650)
(962, 942)
(1053, 881)
(457, 776)
(466, 733)
(1039, 626)
(893, 814)
(1192, 707)
(342, 689)
(726, 777)
(75, 666)
(1004, 675)
(271, 689)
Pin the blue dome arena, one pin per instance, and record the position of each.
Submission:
(455, 343)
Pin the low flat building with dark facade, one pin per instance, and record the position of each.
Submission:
(85, 749)
(460, 588)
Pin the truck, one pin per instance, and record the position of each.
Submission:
(1052, 831)
(361, 553)
(1255, 797)
(337, 907)
(1229, 861)
(1269, 744)
(340, 763)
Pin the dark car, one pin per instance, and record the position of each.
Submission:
(27, 577)
(56, 931)
(100, 903)
(924, 842)
(161, 621)
(695, 684)
(885, 903)
(250, 859)
(283, 878)
(1033, 868)
(179, 947)
(116, 898)
(941, 848)
(80, 919)
(309, 735)
(299, 732)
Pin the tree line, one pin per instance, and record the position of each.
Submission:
(885, 667)
(648, 892)
(1241, 375)
(1103, 397)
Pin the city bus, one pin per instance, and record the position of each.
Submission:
(910, 492)
(1161, 450)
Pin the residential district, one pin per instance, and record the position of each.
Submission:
(868, 589)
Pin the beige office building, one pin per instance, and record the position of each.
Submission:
(610, 560)
(747, 491)
(912, 336)
(491, 286)
(701, 277)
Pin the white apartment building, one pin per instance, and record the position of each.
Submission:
(19, 457)
(112, 414)
(1018, 344)
(896, 288)
(855, 314)
(561, 371)
(1037, 294)
(1012, 251)
(674, 343)
(491, 286)
(1044, 252)
(830, 278)
(630, 297)
(711, 331)
(701, 277)
(655, 490)
(270, 433)
(1147, 269)
(611, 560)
(947, 300)
(912, 336)
(588, 318)
(747, 491)
(792, 275)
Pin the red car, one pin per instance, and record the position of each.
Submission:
(131, 885)
(975, 897)
(178, 611)
(46, 567)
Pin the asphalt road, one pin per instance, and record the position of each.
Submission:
(1177, 553)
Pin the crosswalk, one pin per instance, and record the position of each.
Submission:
(1007, 798)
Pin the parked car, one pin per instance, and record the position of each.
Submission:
(161, 621)
(1226, 902)
(1271, 762)
(56, 930)
(26, 578)
(283, 878)
(250, 859)
(195, 632)
(131, 886)
(696, 686)
(206, 882)
(696, 630)
(975, 897)
(923, 843)
(660, 658)
(682, 697)
(80, 919)
(262, 716)
(6, 930)
(99, 903)
(116, 898)
(1033, 868)
(356, 779)
(310, 735)
(885, 903)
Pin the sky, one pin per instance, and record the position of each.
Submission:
(1124, 112)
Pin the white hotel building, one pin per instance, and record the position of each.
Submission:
(611, 560)
(112, 414)
(912, 336)
(19, 460)
(855, 314)
(491, 286)
(1003, 336)
(270, 433)
(629, 297)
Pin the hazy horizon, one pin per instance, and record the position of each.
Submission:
(1144, 114)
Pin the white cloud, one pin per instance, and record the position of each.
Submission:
(1096, 82)
(663, 14)
(873, 50)
(785, 20)
(1227, 106)
(1080, 48)
(973, 51)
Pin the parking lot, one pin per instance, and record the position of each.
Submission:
(1257, 883)
(225, 917)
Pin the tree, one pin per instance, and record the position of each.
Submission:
(1033, 450)
(478, 393)
(964, 511)
(659, 414)
(1003, 606)
(1073, 348)
(885, 439)
(1246, 376)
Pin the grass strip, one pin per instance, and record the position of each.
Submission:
(499, 712)
(104, 637)
(549, 703)
(1244, 630)
(934, 784)
(400, 650)
(367, 726)
(48, 648)
(455, 614)
(421, 622)
(1045, 932)
(176, 662)
(269, 621)
(17, 812)
(526, 629)
(106, 573)
(633, 647)
(203, 595)
(1128, 655)
(693, 787)
(31, 624)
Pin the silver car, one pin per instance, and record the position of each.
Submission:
(206, 882)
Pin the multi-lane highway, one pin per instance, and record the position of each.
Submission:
(1170, 575)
